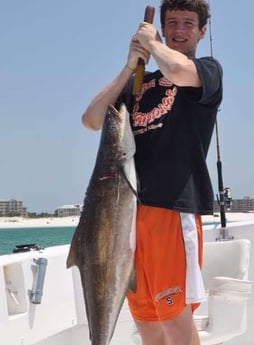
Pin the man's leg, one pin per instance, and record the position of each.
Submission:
(195, 340)
(177, 331)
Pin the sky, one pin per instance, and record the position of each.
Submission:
(55, 55)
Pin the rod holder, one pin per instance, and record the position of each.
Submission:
(37, 291)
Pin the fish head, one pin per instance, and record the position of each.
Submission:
(117, 140)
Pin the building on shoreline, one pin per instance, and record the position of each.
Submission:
(12, 207)
(68, 210)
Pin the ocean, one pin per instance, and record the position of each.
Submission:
(41, 236)
(44, 237)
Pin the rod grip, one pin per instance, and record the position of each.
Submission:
(140, 69)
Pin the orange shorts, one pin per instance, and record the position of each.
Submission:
(160, 264)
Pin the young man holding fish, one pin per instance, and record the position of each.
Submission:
(172, 121)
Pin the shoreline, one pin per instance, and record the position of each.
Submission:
(22, 222)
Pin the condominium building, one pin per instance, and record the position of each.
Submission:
(12, 207)
(238, 205)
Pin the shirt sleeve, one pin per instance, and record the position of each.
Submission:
(210, 73)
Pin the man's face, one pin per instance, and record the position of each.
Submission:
(182, 31)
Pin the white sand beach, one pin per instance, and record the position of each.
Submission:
(21, 222)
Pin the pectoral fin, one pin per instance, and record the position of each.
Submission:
(132, 283)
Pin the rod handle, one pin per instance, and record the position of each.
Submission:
(140, 69)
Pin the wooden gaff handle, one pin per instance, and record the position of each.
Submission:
(140, 69)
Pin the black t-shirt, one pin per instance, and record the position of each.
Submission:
(173, 127)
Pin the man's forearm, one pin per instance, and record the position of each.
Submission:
(175, 66)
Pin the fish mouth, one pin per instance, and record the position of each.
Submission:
(113, 109)
(123, 135)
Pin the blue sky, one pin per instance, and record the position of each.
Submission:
(57, 54)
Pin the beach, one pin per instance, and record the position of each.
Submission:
(24, 222)
(230, 217)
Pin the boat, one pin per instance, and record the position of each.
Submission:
(42, 301)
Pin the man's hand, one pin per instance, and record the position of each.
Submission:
(136, 51)
(146, 35)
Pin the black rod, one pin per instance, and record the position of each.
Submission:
(221, 199)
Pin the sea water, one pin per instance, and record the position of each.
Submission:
(44, 237)
(41, 236)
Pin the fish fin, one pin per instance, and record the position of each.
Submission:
(138, 190)
(72, 259)
(121, 169)
(132, 283)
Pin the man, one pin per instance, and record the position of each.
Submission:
(172, 122)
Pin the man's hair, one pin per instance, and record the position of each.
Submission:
(201, 7)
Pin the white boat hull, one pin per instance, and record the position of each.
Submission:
(60, 317)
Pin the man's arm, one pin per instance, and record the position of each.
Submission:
(175, 66)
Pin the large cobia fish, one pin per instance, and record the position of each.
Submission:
(103, 244)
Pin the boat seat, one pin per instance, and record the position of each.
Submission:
(225, 273)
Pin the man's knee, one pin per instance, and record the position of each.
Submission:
(180, 330)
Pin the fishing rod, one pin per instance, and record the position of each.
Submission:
(221, 197)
